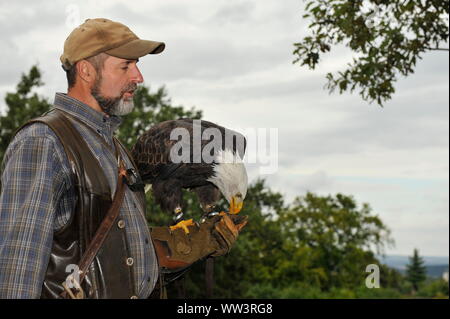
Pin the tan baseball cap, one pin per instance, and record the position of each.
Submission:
(99, 35)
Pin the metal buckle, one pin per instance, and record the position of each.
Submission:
(134, 181)
(79, 293)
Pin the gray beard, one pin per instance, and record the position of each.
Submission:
(123, 108)
(115, 105)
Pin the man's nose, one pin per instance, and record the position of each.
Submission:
(137, 76)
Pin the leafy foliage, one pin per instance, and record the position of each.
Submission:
(434, 289)
(312, 247)
(22, 105)
(388, 38)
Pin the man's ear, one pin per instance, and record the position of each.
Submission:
(86, 71)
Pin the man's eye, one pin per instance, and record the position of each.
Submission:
(125, 68)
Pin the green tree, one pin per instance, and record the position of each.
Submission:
(434, 288)
(340, 236)
(388, 38)
(316, 247)
(391, 278)
(416, 272)
(22, 105)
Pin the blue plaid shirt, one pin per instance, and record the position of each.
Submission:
(37, 198)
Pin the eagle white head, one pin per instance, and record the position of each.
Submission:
(230, 176)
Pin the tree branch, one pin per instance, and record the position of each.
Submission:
(438, 49)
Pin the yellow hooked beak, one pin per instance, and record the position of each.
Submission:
(236, 204)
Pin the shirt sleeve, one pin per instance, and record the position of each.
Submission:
(31, 187)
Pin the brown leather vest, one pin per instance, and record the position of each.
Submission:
(109, 275)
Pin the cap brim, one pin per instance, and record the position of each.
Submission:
(136, 49)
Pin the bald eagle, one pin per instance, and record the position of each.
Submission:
(197, 155)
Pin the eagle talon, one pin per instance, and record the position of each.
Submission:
(184, 225)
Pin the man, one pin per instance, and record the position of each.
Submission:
(59, 175)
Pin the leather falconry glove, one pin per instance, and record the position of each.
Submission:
(214, 237)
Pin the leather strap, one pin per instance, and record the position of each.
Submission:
(106, 224)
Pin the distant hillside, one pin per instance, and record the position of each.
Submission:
(436, 271)
(436, 266)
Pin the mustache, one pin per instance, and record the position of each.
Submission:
(128, 88)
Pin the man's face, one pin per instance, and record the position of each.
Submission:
(115, 85)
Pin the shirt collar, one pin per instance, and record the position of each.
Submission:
(99, 121)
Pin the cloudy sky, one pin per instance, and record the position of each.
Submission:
(233, 60)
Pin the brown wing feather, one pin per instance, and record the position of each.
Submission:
(152, 150)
